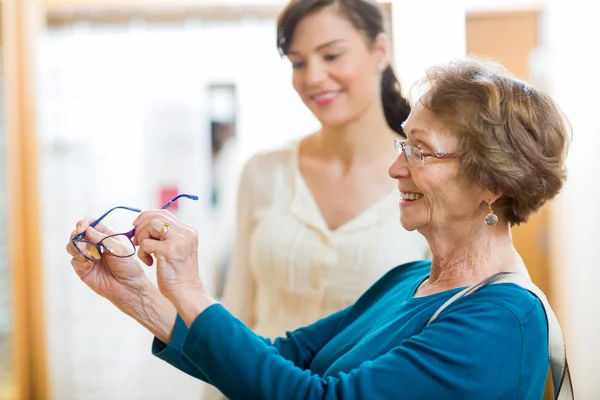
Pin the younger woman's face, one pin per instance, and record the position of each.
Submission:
(336, 72)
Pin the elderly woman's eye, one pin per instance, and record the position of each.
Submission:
(417, 144)
(424, 147)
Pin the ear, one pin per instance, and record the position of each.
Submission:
(381, 50)
(490, 197)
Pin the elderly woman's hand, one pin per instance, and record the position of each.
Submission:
(175, 247)
(111, 277)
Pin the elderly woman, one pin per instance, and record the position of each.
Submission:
(484, 150)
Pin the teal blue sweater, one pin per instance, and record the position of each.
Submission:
(492, 344)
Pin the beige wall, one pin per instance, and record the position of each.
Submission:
(568, 64)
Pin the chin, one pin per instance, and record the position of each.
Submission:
(335, 115)
(413, 222)
(333, 120)
(409, 225)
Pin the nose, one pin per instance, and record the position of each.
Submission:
(399, 168)
(315, 72)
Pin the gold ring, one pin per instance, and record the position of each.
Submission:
(163, 231)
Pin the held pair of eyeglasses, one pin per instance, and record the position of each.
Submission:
(118, 244)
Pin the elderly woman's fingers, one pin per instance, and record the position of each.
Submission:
(151, 224)
(92, 236)
(160, 226)
(81, 267)
(81, 226)
(100, 227)
(150, 214)
(159, 229)
(73, 252)
(144, 256)
(151, 230)
(156, 247)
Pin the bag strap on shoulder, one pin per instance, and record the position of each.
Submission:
(559, 367)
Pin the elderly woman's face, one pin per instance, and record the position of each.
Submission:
(437, 194)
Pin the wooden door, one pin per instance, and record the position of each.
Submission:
(510, 38)
(25, 375)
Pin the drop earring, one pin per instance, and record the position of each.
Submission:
(381, 66)
(491, 219)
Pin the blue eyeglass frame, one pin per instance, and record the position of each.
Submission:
(129, 234)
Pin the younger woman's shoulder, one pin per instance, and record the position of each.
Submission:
(275, 157)
(266, 167)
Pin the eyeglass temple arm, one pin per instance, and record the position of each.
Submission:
(168, 203)
(131, 233)
(441, 155)
(96, 222)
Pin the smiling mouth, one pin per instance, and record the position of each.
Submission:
(410, 196)
(325, 96)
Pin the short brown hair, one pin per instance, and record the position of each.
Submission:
(513, 137)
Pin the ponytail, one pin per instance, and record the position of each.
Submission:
(395, 107)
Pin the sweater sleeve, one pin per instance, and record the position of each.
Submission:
(239, 295)
(171, 352)
(301, 346)
(298, 347)
(463, 354)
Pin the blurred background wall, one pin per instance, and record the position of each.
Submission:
(123, 102)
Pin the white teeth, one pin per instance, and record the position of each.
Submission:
(325, 96)
(410, 196)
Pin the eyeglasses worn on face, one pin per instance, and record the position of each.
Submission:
(118, 244)
(415, 156)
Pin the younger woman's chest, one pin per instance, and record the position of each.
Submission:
(292, 255)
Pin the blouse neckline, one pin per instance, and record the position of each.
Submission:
(305, 207)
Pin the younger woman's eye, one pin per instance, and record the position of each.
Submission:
(297, 65)
(331, 57)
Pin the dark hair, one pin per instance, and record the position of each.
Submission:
(513, 137)
(364, 15)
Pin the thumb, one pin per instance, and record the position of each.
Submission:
(93, 235)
